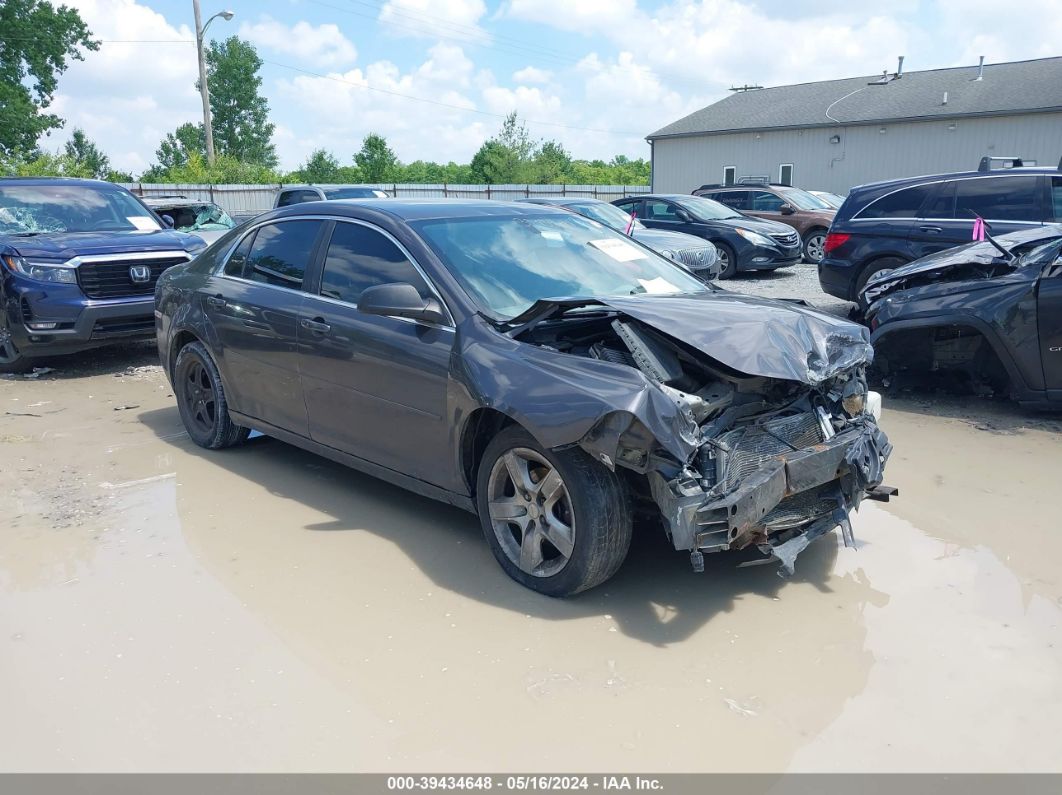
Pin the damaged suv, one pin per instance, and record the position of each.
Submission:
(550, 374)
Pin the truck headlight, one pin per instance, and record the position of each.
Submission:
(41, 272)
(755, 237)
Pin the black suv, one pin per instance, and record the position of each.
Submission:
(884, 225)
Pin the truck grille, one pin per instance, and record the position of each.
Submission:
(754, 445)
(111, 278)
(786, 238)
(696, 259)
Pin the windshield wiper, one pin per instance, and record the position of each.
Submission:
(24, 234)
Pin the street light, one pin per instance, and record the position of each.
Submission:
(204, 91)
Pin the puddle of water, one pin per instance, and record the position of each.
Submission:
(264, 609)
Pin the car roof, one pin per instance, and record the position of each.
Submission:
(420, 209)
(923, 178)
(70, 181)
(177, 201)
(562, 201)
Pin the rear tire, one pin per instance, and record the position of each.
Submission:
(728, 260)
(575, 501)
(872, 269)
(201, 400)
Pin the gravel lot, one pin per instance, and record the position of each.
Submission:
(799, 281)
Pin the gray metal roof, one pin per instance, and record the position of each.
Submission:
(1014, 87)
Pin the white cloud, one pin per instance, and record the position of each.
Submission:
(532, 74)
(432, 19)
(128, 96)
(323, 45)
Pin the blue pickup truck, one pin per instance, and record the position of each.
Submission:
(78, 264)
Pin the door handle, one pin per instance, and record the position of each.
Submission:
(318, 326)
(931, 230)
(216, 300)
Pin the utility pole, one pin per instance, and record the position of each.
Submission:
(204, 90)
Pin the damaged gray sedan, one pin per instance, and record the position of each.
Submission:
(549, 374)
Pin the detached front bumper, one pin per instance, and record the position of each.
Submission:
(797, 493)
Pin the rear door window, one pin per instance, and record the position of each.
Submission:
(630, 206)
(903, 203)
(358, 258)
(281, 253)
(1012, 198)
(1056, 198)
(736, 199)
(290, 197)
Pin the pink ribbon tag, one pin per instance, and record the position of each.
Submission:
(630, 224)
(979, 229)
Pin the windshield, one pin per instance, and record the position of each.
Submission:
(832, 199)
(352, 193)
(706, 209)
(38, 209)
(198, 217)
(803, 200)
(607, 214)
(506, 263)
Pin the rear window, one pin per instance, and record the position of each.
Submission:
(903, 203)
(999, 198)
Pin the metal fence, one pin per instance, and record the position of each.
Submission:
(243, 200)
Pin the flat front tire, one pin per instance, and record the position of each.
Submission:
(201, 400)
(557, 522)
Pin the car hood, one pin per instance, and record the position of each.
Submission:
(661, 240)
(977, 253)
(62, 246)
(754, 336)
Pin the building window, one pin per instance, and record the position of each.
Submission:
(729, 175)
(785, 174)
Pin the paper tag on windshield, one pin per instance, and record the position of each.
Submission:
(142, 222)
(658, 286)
(618, 250)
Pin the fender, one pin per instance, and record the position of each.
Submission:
(1021, 386)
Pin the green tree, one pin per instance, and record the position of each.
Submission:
(321, 166)
(86, 156)
(240, 113)
(36, 41)
(177, 146)
(507, 157)
(552, 164)
(375, 160)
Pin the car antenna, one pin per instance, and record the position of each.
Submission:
(1010, 256)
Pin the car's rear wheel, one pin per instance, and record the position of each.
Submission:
(11, 359)
(727, 261)
(201, 400)
(814, 245)
(557, 522)
(872, 270)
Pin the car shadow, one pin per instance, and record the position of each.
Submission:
(654, 598)
(112, 359)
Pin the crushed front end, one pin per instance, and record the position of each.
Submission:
(756, 430)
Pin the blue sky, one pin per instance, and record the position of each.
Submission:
(597, 75)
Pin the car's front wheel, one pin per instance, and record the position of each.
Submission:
(201, 400)
(11, 358)
(727, 261)
(557, 522)
(814, 246)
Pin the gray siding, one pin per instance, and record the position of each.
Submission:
(864, 154)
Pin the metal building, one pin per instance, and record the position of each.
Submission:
(835, 134)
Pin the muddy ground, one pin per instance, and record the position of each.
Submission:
(166, 608)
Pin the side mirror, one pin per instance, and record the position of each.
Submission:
(682, 215)
(168, 221)
(400, 300)
(787, 209)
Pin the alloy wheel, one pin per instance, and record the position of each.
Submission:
(814, 247)
(199, 396)
(531, 512)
